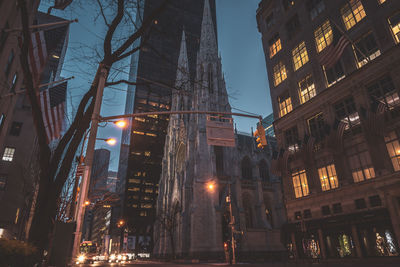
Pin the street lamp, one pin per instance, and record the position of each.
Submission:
(210, 186)
(121, 123)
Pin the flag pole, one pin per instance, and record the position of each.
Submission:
(39, 26)
(348, 38)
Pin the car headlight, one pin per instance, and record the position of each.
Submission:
(112, 257)
(81, 258)
(119, 257)
(124, 258)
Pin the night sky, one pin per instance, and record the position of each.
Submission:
(240, 46)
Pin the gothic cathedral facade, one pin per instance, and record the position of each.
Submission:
(193, 217)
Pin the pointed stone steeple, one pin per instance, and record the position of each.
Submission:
(182, 74)
(208, 41)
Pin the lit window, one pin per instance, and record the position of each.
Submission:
(334, 74)
(153, 116)
(143, 213)
(381, 1)
(134, 189)
(151, 134)
(292, 139)
(328, 177)
(393, 148)
(140, 133)
(147, 153)
(287, 4)
(300, 56)
(8, 154)
(140, 119)
(279, 73)
(352, 13)
(274, 45)
(323, 36)
(346, 112)
(315, 7)
(306, 89)
(394, 22)
(148, 190)
(383, 92)
(366, 49)
(285, 105)
(146, 206)
(134, 206)
(300, 184)
(134, 181)
(360, 164)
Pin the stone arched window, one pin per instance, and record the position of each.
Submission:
(248, 211)
(210, 79)
(246, 168)
(263, 169)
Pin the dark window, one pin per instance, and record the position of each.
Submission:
(219, 159)
(366, 49)
(325, 210)
(334, 74)
(9, 63)
(246, 169)
(346, 112)
(337, 208)
(210, 79)
(15, 128)
(292, 26)
(297, 215)
(360, 203)
(383, 92)
(292, 139)
(315, 7)
(316, 126)
(375, 201)
(3, 182)
(270, 21)
(3, 36)
(307, 213)
(2, 119)
(287, 4)
(263, 169)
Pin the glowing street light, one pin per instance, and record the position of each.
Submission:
(111, 141)
(121, 123)
(87, 203)
(210, 186)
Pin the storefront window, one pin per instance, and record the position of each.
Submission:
(345, 246)
(311, 247)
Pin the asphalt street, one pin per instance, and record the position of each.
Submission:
(373, 262)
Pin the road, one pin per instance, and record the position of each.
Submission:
(373, 262)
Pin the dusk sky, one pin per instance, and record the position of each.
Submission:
(239, 44)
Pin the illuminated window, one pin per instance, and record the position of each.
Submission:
(383, 92)
(151, 134)
(352, 13)
(323, 36)
(393, 148)
(287, 4)
(140, 133)
(394, 22)
(334, 74)
(316, 126)
(148, 190)
(328, 177)
(16, 216)
(315, 7)
(346, 112)
(147, 198)
(143, 213)
(134, 206)
(140, 119)
(8, 154)
(306, 89)
(300, 184)
(153, 116)
(147, 153)
(274, 45)
(279, 73)
(366, 49)
(146, 206)
(381, 1)
(300, 56)
(285, 105)
(360, 163)
(134, 189)
(134, 181)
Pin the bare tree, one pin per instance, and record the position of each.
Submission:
(54, 166)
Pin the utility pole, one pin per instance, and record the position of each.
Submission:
(89, 159)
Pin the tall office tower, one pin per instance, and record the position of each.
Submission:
(333, 69)
(142, 145)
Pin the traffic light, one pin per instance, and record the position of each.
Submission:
(259, 134)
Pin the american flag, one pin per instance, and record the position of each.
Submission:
(52, 104)
(334, 51)
(37, 55)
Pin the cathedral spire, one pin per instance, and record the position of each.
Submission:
(208, 40)
(182, 74)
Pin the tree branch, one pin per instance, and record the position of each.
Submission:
(110, 33)
(102, 13)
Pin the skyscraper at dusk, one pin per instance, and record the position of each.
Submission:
(333, 69)
(154, 67)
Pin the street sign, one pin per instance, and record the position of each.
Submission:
(220, 131)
